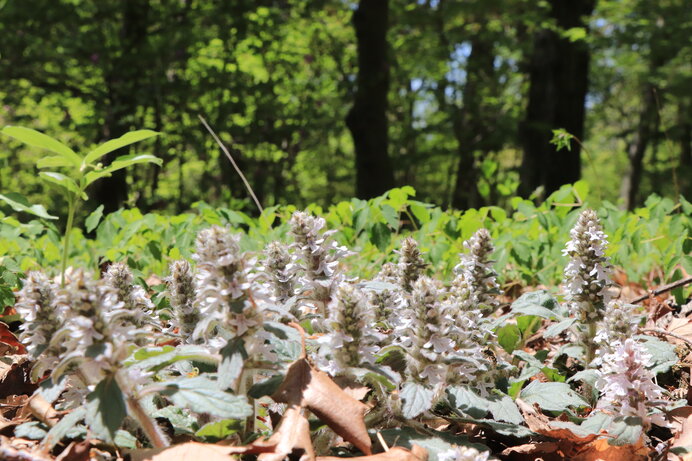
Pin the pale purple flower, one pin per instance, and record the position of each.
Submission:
(627, 385)
(351, 339)
(133, 297)
(42, 318)
(222, 286)
(319, 256)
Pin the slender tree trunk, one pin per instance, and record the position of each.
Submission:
(685, 139)
(558, 74)
(471, 122)
(367, 119)
(123, 83)
(637, 148)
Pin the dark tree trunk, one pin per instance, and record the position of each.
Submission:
(558, 73)
(471, 123)
(123, 84)
(367, 119)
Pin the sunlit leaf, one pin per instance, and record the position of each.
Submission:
(37, 139)
(115, 144)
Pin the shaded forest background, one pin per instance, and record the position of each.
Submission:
(320, 100)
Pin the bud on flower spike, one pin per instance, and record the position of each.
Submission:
(181, 295)
(476, 287)
(411, 264)
(134, 298)
(281, 270)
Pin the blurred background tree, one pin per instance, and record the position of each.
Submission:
(319, 100)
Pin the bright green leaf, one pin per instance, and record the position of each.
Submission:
(62, 181)
(37, 139)
(19, 203)
(106, 409)
(115, 144)
(94, 218)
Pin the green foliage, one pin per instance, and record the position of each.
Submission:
(82, 171)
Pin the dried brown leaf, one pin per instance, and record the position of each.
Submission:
(547, 451)
(190, 451)
(14, 376)
(683, 434)
(9, 339)
(304, 386)
(76, 451)
(292, 435)
(352, 387)
(416, 453)
(601, 450)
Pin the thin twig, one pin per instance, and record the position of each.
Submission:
(382, 441)
(661, 331)
(228, 154)
(663, 289)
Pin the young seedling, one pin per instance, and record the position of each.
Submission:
(79, 172)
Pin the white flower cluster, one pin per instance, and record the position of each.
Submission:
(224, 292)
(42, 318)
(98, 330)
(475, 286)
(352, 340)
(586, 276)
(319, 259)
(181, 294)
(440, 342)
(281, 270)
(84, 324)
(459, 453)
(628, 386)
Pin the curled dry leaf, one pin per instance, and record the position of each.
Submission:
(304, 386)
(76, 451)
(416, 453)
(682, 421)
(292, 437)
(43, 410)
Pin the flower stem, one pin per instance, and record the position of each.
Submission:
(71, 208)
(152, 430)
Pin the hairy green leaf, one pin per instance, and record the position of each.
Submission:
(202, 395)
(416, 398)
(552, 396)
(106, 409)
